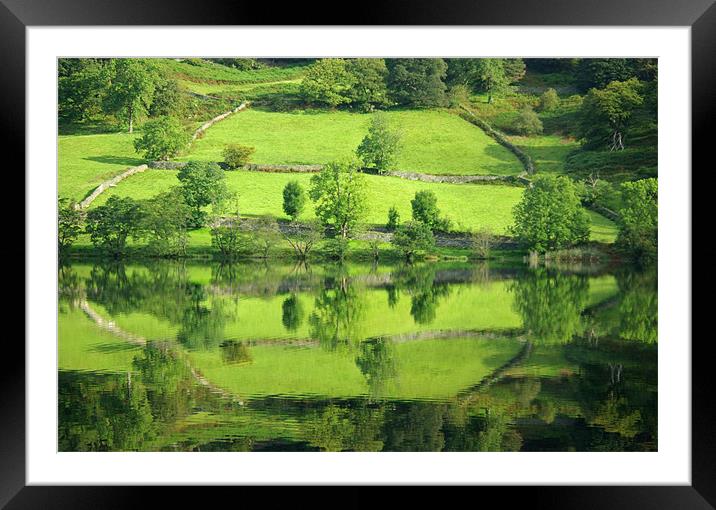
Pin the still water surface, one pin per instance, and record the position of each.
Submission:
(434, 357)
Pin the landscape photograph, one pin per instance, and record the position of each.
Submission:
(357, 254)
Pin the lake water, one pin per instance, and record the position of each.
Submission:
(177, 356)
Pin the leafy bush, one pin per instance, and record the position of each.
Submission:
(412, 238)
(162, 138)
(393, 218)
(236, 155)
(443, 225)
(265, 234)
(527, 123)
(549, 100)
(425, 210)
(458, 95)
(169, 100)
(294, 199)
(303, 238)
(244, 64)
(337, 248)
(228, 238)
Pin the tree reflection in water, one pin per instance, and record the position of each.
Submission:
(589, 383)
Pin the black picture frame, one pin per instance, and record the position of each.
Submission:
(700, 15)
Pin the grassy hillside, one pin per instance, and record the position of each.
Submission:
(557, 149)
(434, 141)
(204, 73)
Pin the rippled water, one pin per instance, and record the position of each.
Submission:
(434, 357)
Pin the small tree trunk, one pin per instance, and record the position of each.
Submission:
(617, 142)
(131, 118)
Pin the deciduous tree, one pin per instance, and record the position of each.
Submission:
(550, 215)
(69, 223)
(111, 224)
(327, 82)
(606, 113)
(162, 138)
(638, 218)
(417, 81)
(202, 183)
(340, 194)
(379, 148)
(131, 89)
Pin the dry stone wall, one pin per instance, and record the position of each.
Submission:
(208, 124)
(109, 184)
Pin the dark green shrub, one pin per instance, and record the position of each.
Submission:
(236, 155)
(549, 100)
(527, 123)
(393, 218)
(413, 238)
(294, 199)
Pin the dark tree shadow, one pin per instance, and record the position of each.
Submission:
(116, 160)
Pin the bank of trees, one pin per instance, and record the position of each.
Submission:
(369, 84)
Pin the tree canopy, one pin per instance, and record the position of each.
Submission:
(417, 81)
(606, 113)
(550, 215)
(638, 218)
(202, 183)
(340, 194)
(379, 148)
(132, 82)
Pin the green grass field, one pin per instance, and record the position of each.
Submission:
(87, 160)
(434, 141)
(469, 206)
(424, 369)
(548, 152)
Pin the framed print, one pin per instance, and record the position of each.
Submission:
(419, 249)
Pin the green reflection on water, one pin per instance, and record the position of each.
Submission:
(174, 356)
